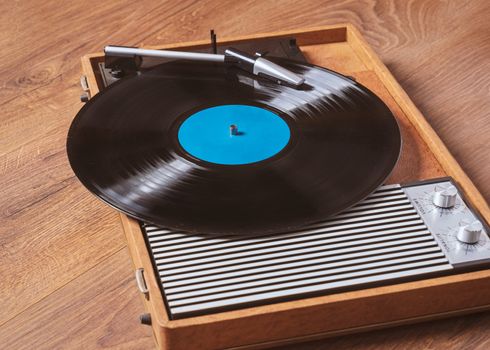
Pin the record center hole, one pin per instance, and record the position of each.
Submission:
(234, 130)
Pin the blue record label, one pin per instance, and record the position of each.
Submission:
(234, 134)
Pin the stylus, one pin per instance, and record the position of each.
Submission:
(253, 64)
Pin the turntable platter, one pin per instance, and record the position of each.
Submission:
(208, 149)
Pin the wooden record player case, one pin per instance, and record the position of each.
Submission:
(340, 48)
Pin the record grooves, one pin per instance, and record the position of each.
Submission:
(124, 146)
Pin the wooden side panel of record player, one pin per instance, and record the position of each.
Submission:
(152, 300)
(343, 49)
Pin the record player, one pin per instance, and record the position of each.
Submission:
(413, 249)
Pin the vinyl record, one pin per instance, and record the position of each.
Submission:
(209, 149)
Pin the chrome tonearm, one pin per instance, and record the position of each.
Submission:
(256, 65)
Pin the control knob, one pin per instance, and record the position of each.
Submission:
(445, 196)
(470, 232)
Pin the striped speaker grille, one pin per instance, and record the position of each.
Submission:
(380, 240)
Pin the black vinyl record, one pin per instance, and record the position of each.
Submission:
(124, 147)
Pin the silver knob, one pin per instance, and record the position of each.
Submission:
(470, 232)
(445, 196)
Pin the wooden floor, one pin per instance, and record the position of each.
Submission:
(66, 280)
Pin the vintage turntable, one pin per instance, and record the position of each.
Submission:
(413, 249)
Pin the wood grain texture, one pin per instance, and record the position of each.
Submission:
(98, 311)
(54, 234)
(468, 333)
